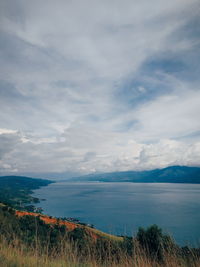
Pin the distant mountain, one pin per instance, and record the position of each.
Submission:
(173, 174)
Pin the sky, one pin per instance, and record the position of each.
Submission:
(89, 86)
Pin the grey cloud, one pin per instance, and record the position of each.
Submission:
(89, 156)
(8, 143)
(8, 92)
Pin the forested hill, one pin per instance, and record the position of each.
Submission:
(173, 174)
(16, 190)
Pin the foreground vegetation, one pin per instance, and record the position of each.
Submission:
(30, 241)
(19, 256)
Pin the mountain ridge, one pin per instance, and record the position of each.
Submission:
(172, 174)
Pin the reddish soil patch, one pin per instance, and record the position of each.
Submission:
(48, 220)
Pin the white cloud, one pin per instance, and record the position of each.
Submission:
(171, 116)
(7, 131)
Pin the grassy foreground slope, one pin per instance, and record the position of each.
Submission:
(30, 240)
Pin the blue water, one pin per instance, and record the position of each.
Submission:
(120, 208)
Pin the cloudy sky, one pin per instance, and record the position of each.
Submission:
(98, 86)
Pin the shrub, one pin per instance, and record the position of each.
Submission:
(154, 242)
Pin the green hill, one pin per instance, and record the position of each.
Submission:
(16, 191)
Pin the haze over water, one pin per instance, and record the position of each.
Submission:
(120, 208)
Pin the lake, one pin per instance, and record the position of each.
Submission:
(120, 208)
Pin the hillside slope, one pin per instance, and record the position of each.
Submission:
(16, 191)
(70, 226)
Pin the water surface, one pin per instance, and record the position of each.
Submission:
(120, 208)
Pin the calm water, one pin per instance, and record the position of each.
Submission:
(120, 208)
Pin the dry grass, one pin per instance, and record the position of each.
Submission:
(106, 235)
(17, 254)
